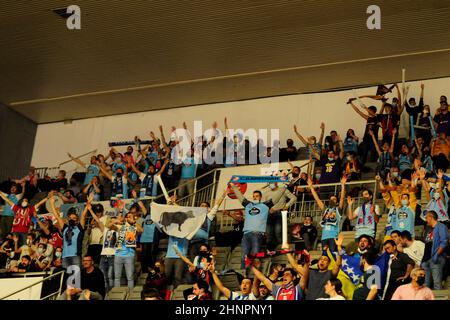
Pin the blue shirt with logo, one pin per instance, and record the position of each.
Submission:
(188, 169)
(7, 210)
(256, 214)
(330, 223)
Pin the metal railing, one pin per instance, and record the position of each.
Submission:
(30, 274)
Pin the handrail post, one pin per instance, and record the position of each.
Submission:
(212, 198)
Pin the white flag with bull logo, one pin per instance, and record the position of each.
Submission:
(178, 221)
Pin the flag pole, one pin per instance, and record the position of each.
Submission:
(284, 229)
(163, 188)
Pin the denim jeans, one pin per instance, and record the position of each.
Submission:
(70, 261)
(107, 267)
(252, 243)
(128, 263)
(274, 231)
(435, 271)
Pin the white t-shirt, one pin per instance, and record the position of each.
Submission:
(96, 236)
(415, 251)
(109, 242)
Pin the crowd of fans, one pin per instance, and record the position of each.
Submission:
(405, 168)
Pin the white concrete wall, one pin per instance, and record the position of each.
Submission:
(305, 110)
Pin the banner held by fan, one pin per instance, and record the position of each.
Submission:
(178, 221)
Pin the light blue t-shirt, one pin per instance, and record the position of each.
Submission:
(188, 169)
(92, 171)
(181, 243)
(330, 223)
(404, 220)
(438, 206)
(256, 214)
(7, 210)
(72, 247)
(149, 230)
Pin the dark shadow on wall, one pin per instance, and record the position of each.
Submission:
(17, 134)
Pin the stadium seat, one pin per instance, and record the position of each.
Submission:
(230, 281)
(117, 293)
(135, 294)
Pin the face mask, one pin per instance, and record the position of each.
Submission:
(24, 204)
(413, 104)
(40, 250)
(28, 242)
(420, 281)
(394, 104)
(119, 175)
(426, 111)
(436, 196)
(11, 255)
(330, 159)
(349, 158)
(295, 174)
(405, 202)
(306, 224)
(58, 254)
(318, 176)
(395, 174)
(72, 223)
(118, 160)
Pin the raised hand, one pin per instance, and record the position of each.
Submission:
(344, 179)
(322, 126)
(350, 201)
(378, 178)
(134, 194)
(295, 128)
(394, 131)
(339, 241)
(422, 86)
(257, 263)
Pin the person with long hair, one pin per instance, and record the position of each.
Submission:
(333, 288)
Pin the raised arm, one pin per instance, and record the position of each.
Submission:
(182, 257)
(238, 193)
(5, 198)
(106, 173)
(375, 142)
(391, 148)
(56, 213)
(258, 274)
(322, 133)
(315, 195)
(96, 219)
(342, 198)
(77, 160)
(341, 147)
(225, 291)
(338, 264)
(364, 116)
(40, 203)
(85, 211)
(160, 172)
(300, 136)
(350, 201)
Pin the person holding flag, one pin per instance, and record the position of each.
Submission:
(367, 215)
(331, 216)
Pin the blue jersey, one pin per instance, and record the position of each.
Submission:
(331, 219)
(149, 230)
(438, 206)
(188, 169)
(404, 220)
(350, 145)
(7, 210)
(391, 220)
(404, 162)
(182, 245)
(92, 171)
(72, 241)
(256, 214)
